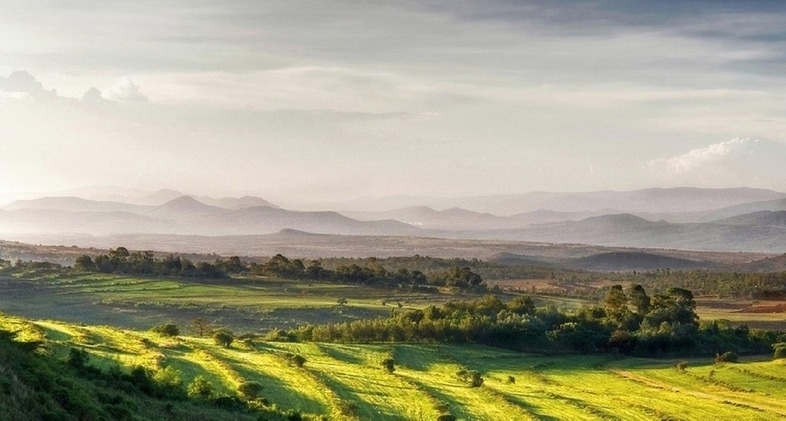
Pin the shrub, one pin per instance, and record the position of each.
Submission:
(296, 360)
(167, 329)
(473, 377)
(780, 350)
(389, 364)
(77, 358)
(223, 338)
(249, 390)
(727, 357)
(168, 377)
(446, 417)
(200, 388)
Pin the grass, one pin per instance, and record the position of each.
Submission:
(346, 381)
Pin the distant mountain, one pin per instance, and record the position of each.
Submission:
(746, 208)
(627, 230)
(767, 264)
(760, 218)
(29, 221)
(655, 200)
(158, 198)
(634, 260)
(184, 207)
(73, 204)
(450, 219)
(237, 203)
(669, 224)
(518, 259)
(265, 219)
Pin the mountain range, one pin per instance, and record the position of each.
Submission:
(738, 219)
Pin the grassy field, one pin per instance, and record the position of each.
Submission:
(250, 304)
(345, 381)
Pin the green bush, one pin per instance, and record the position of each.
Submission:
(727, 357)
(200, 388)
(223, 338)
(780, 350)
(167, 329)
(249, 390)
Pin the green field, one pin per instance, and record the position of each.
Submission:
(248, 304)
(345, 381)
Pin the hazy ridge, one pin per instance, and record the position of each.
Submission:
(736, 219)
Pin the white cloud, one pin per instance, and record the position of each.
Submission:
(22, 82)
(698, 158)
(125, 90)
(93, 95)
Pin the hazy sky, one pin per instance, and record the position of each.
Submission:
(313, 100)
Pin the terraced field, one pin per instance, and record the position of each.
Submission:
(343, 381)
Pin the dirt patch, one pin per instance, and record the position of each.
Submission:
(775, 308)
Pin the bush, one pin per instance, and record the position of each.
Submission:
(296, 360)
(727, 357)
(249, 390)
(780, 350)
(77, 358)
(389, 364)
(167, 329)
(473, 377)
(223, 338)
(200, 388)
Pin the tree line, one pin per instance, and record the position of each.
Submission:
(629, 321)
(364, 272)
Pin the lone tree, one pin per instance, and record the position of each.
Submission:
(200, 326)
(389, 364)
(224, 338)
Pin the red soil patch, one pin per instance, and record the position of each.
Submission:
(777, 308)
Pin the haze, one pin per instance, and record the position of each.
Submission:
(313, 101)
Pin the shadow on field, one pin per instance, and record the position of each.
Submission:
(279, 391)
(336, 353)
(412, 356)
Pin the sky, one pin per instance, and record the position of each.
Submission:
(319, 101)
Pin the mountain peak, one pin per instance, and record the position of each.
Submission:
(185, 205)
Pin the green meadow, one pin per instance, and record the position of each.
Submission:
(348, 382)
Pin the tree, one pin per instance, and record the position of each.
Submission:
(200, 388)
(249, 390)
(84, 263)
(676, 307)
(223, 338)
(616, 307)
(200, 326)
(639, 300)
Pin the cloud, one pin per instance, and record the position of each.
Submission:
(698, 158)
(93, 95)
(736, 162)
(23, 82)
(125, 90)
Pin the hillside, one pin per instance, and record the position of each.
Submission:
(639, 261)
(348, 382)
